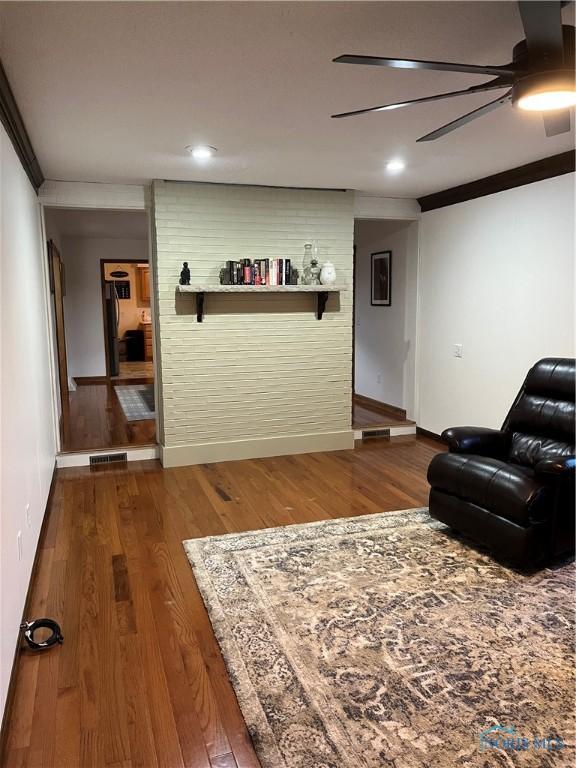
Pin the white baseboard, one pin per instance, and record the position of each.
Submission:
(207, 453)
(408, 430)
(82, 458)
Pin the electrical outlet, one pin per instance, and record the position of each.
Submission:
(379, 379)
(27, 516)
(19, 545)
(457, 350)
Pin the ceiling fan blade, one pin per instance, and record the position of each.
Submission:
(492, 85)
(557, 122)
(460, 121)
(542, 22)
(445, 66)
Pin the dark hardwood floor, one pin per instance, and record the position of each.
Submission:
(92, 418)
(139, 680)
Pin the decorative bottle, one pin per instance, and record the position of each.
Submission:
(306, 263)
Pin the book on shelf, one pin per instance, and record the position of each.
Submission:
(257, 272)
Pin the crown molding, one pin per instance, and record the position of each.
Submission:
(557, 165)
(16, 130)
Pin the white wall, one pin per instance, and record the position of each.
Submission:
(93, 194)
(496, 275)
(83, 318)
(27, 439)
(385, 336)
(372, 206)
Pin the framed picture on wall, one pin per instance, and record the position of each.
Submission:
(381, 279)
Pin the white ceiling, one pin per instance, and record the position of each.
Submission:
(132, 225)
(114, 91)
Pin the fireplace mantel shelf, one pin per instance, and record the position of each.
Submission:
(321, 292)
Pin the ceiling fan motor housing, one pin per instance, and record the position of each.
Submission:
(540, 73)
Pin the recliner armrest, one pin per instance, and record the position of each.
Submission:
(557, 468)
(478, 440)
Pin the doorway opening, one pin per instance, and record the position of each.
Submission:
(102, 319)
(127, 320)
(384, 337)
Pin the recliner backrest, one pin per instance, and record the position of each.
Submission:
(541, 419)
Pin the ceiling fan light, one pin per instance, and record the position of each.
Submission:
(547, 101)
(545, 92)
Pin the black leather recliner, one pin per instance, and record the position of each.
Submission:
(513, 489)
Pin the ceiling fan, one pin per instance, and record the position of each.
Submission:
(539, 78)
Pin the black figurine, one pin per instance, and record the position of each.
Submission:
(185, 275)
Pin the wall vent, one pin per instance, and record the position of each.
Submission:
(376, 433)
(108, 458)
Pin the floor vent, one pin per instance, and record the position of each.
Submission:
(376, 433)
(108, 458)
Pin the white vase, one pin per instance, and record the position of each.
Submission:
(328, 273)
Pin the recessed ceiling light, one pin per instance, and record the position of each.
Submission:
(202, 151)
(395, 166)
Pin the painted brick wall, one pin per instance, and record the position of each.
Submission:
(260, 375)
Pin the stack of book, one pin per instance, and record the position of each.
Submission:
(257, 272)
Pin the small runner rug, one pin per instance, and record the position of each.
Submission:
(137, 401)
(388, 641)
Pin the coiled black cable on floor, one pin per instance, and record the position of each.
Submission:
(29, 627)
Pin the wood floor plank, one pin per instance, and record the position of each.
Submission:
(16, 758)
(121, 578)
(178, 579)
(156, 688)
(89, 682)
(75, 537)
(20, 735)
(140, 681)
(174, 631)
(68, 728)
(113, 713)
(41, 753)
(21, 730)
(139, 719)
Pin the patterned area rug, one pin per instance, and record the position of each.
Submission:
(386, 641)
(137, 401)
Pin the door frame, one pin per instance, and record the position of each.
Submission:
(57, 291)
(73, 196)
(375, 215)
(103, 263)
